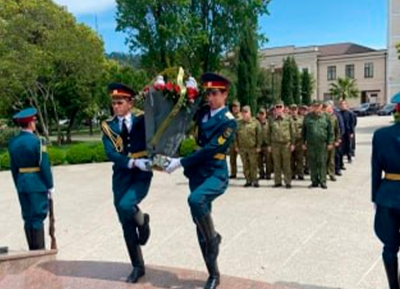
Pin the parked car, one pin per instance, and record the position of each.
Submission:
(366, 109)
(388, 109)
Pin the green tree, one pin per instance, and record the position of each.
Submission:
(47, 60)
(195, 34)
(344, 88)
(287, 82)
(296, 81)
(247, 68)
(307, 87)
(398, 49)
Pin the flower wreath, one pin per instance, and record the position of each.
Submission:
(172, 90)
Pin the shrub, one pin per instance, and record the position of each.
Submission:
(188, 146)
(56, 156)
(99, 154)
(6, 134)
(79, 154)
(5, 161)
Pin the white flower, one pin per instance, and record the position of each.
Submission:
(191, 83)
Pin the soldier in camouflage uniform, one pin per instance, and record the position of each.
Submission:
(328, 109)
(317, 138)
(298, 153)
(248, 142)
(264, 158)
(281, 144)
(232, 150)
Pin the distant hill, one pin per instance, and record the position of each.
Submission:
(125, 59)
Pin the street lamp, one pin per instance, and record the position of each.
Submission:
(272, 69)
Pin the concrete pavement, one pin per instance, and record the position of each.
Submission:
(302, 238)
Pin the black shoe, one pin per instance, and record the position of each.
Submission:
(247, 184)
(293, 177)
(277, 186)
(268, 177)
(232, 176)
(338, 173)
(262, 177)
(332, 178)
(256, 185)
(144, 230)
(343, 168)
(288, 186)
(306, 172)
(135, 275)
(324, 186)
(301, 177)
(392, 274)
(212, 282)
(313, 185)
(37, 239)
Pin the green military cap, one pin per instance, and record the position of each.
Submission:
(279, 103)
(293, 106)
(246, 108)
(262, 110)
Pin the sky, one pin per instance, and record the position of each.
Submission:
(290, 22)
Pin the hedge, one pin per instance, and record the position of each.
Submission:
(99, 154)
(56, 155)
(79, 154)
(5, 161)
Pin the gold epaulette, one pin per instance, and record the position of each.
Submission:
(115, 138)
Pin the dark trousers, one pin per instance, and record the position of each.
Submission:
(346, 147)
(34, 209)
(387, 226)
(338, 159)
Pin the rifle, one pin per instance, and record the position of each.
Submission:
(52, 220)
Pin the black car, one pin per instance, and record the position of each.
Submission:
(388, 109)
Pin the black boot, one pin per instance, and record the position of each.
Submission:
(135, 254)
(392, 273)
(210, 248)
(37, 239)
(143, 227)
(28, 237)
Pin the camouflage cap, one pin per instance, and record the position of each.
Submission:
(262, 110)
(303, 107)
(316, 102)
(279, 103)
(235, 103)
(293, 106)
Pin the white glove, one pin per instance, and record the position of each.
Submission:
(142, 164)
(174, 163)
(50, 192)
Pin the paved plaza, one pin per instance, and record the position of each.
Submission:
(300, 238)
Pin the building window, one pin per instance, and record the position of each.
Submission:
(331, 72)
(369, 70)
(350, 70)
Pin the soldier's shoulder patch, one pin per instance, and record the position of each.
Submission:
(229, 115)
(227, 132)
(221, 140)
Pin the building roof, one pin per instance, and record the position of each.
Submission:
(342, 49)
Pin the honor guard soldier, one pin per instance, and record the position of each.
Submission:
(30, 168)
(125, 144)
(207, 169)
(385, 195)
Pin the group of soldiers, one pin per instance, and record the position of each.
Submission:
(292, 142)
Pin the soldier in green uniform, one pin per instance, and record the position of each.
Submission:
(328, 109)
(281, 144)
(232, 150)
(207, 170)
(30, 168)
(125, 145)
(265, 166)
(317, 139)
(298, 153)
(248, 142)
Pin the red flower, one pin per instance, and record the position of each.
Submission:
(169, 86)
(192, 93)
(177, 88)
